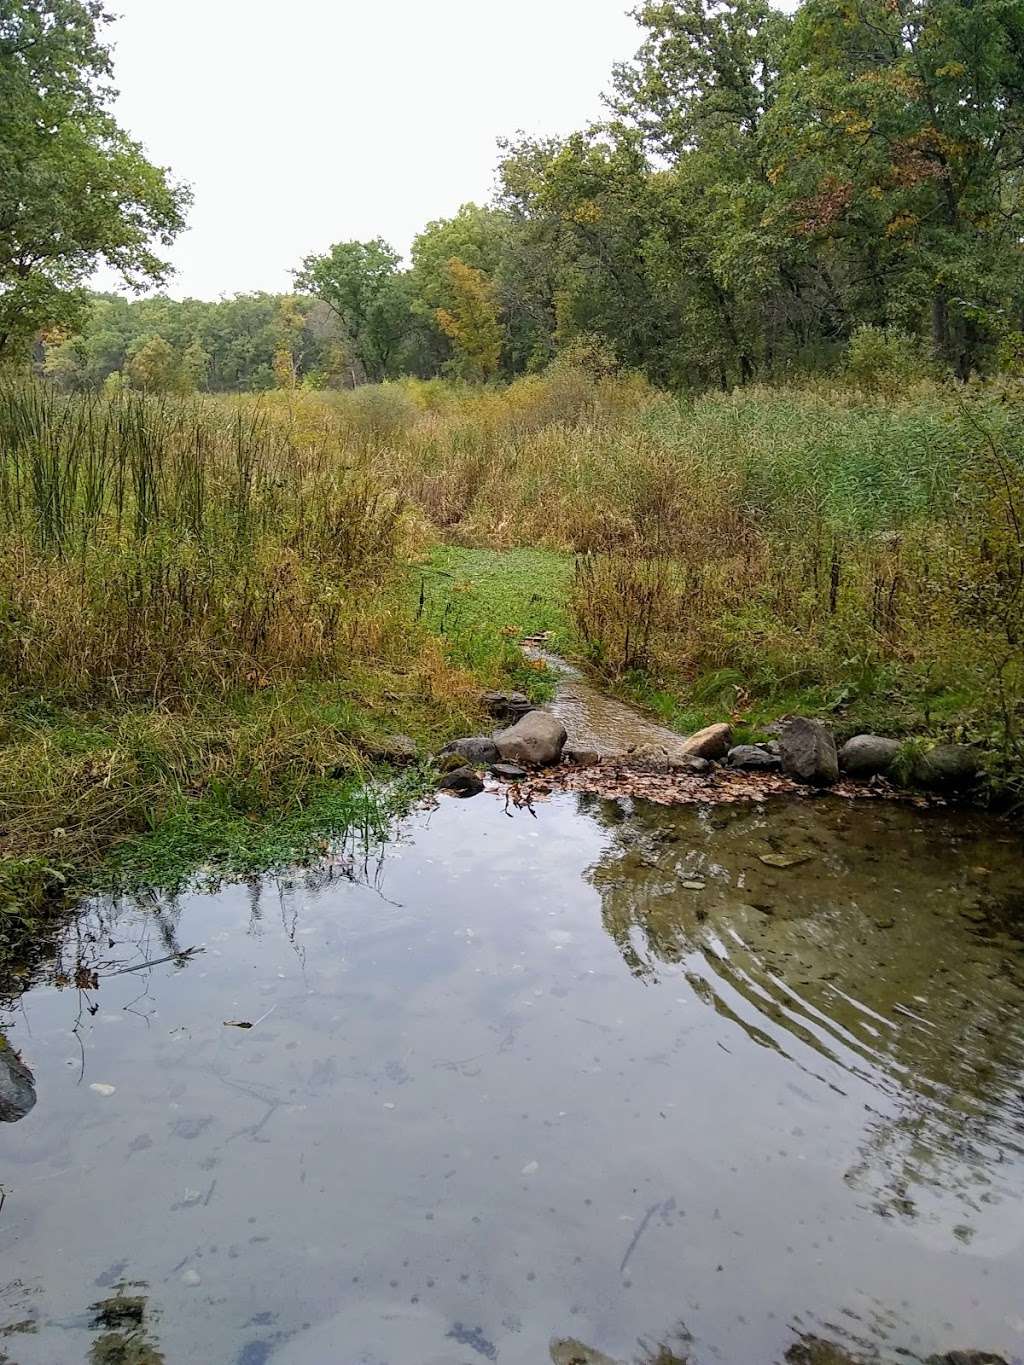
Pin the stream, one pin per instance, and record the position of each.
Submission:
(587, 1083)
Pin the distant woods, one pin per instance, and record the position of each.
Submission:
(767, 194)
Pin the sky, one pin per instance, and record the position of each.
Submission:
(308, 122)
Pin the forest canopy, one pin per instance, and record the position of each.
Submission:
(763, 190)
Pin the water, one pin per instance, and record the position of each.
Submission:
(601, 1076)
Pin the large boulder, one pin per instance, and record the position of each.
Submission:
(712, 742)
(17, 1085)
(868, 755)
(478, 750)
(536, 740)
(808, 752)
(949, 766)
(752, 758)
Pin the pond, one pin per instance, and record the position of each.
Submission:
(532, 1087)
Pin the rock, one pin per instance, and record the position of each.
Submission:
(582, 758)
(967, 1358)
(396, 749)
(507, 707)
(712, 742)
(461, 782)
(809, 752)
(473, 749)
(666, 758)
(948, 765)
(868, 755)
(752, 757)
(17, 1085)
(536, 740)
(508, 772)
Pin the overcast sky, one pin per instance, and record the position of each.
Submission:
(308, 122)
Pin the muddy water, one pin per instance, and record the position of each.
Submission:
(602, 1075)
(595, 721)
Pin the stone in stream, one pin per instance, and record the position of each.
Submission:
(508, 772)
(951, 766)
(868, 755)
(461, 782)
(473, 749)
(712, 742)
(581, 758)
(537, 740)
(752, 758)
(809, 752)
(666, 758)
(17, 1085)
(507, 707)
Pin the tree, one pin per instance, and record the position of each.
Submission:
(472, 324)
(154, 367)
(361, 284)
(900, 138)
(75, 190)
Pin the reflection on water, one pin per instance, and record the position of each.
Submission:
(537, 1088)
(894, 953)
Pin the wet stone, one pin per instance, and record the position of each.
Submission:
(461, 782)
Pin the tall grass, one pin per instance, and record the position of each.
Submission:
(830, 540)
(152, 547)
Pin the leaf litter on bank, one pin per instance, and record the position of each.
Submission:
(614, 779)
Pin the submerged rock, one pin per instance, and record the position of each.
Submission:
(952, 766)
(473, 749)
(17, 1085)
(967, 1358)
(752, 758)
(537, 740)
(506, 706)
(712, 742)
(868, 755)
(809, 752)
(461, 782)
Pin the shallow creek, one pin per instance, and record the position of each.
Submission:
(595, 1073)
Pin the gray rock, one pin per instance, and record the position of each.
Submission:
(582, 758)
(868, 755)
(711, 742)
(809, 752)
(507, 707)
(752, 757)
(949, 766)
(666, 758)
(967, 1358)
(508, 772)
(536, 740)
(461, 782)
(474, 749)
(17, 1085)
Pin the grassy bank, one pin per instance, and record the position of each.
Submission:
(849, 547)
(214, 613)
(207, 642)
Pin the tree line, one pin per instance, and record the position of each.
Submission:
(763, 188)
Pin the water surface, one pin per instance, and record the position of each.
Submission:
(599, 1073)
